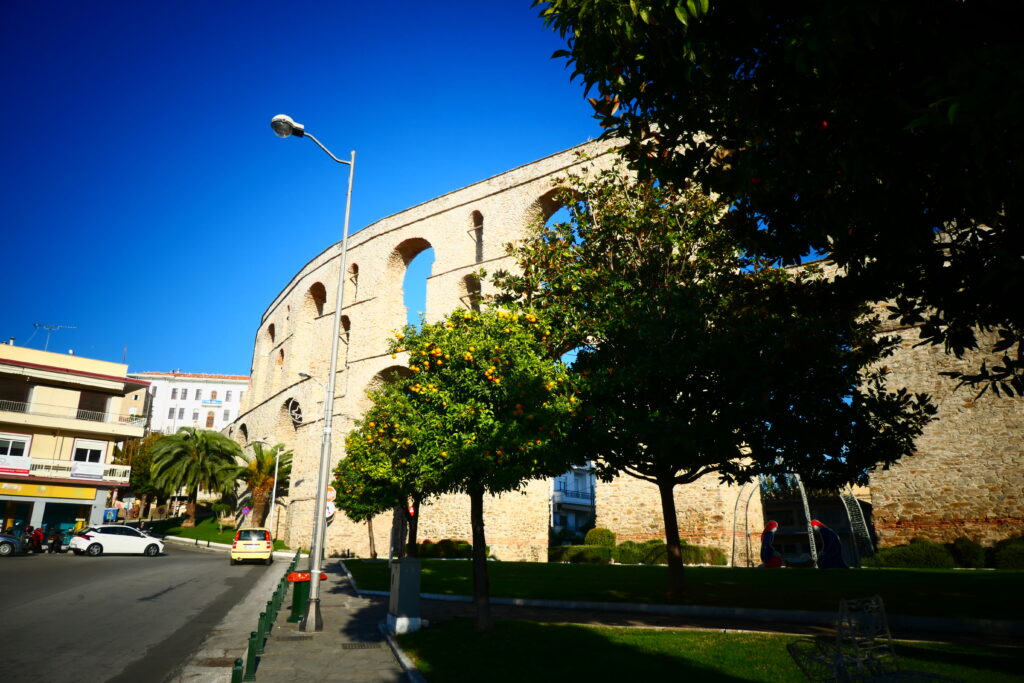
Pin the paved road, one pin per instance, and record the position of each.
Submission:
(65, 618)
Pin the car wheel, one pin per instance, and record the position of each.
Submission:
(151, 550)
(269, 560)
(94, 550)
(6, 549)
(233, 561)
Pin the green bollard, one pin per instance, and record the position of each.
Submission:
(300, 598)
(250, 658)
(261, 633)
(236, 672)
(270, 617)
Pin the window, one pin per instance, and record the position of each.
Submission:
(181, 413)
(184, 394)
(209, 419)
(227, 416)
(174, 394)
(195, 416)
(170, 413)
(213, 395)
(135, 397)
(89, 451)
(14, 445)
(199, 394)
(227, 396)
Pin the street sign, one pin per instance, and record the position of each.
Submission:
(246, 510)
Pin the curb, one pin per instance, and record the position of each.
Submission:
(896, 621)
(222, 547)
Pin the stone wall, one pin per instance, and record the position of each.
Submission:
(967, 475)
(709, 514)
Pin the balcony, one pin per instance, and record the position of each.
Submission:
(68, 412)
(573, 497)
(70, 469)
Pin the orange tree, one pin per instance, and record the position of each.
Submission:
(484, 411)
(695, 359)
(384, 468)
(885, 133)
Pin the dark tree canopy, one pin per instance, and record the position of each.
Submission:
(884, 133)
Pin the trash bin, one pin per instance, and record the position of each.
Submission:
(300, 594)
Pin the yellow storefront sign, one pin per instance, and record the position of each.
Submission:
(10, 488)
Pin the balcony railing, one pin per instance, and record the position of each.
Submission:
(70, 469)
(579, 494)
(73, 413)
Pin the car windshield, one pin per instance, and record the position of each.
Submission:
(252, 535)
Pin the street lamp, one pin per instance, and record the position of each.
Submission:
(285, 127)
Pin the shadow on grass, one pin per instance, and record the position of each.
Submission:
(972, 663)
(528, 651)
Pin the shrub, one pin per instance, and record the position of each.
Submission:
(446, 548)
(967, 553)
(593, 554)
(918, 554)
(628, 552)
(698, 554)
(600, 536)
(1009, 555)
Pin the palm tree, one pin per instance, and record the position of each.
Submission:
(192, 459)
(257, 473)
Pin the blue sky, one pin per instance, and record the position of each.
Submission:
(146, 200)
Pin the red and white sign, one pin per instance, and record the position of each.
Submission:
(14, 464)
(331, 507)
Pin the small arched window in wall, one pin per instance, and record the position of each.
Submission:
(472, 297)
(317, 296)
(271, 330)
(213, 395)
(478, 234)
(353, 281)
(280, 357)
(346, 326)
(209, 420)
(244, 431)
(294, 412)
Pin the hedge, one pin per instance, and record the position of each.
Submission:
(592, 554)
(447, 548)
(599, 536)
(918, 554)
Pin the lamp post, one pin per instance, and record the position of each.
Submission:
(284, 127)
(273, 491)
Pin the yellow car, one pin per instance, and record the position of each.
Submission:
(252, 544)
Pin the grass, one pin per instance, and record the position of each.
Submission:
(919, 592)
(205, 530)
(562, 652)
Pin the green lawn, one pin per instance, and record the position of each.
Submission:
(530, 651)
(925, 592)
(205, 530)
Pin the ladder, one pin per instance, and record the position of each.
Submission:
(862, 544)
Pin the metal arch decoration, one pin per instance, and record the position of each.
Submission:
(294, 412)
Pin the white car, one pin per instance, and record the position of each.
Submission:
(115, 538)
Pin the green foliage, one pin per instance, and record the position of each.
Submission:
(918, 554)
(138, 454)
(1009, 554)
(600, 536)
(446, 549)
(193, 459)
(967, 553)
(257, 473)
(695, 358)
(818, 144)
(577, 554)
(628, 552)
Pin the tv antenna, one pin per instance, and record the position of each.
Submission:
(50, 329)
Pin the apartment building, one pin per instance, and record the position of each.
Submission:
(61, 417)
(182, 399)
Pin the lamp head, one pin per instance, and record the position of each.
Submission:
(305, 375)
(284, 126)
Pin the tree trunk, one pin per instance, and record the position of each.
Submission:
(674, 551)
(373, 543)
(414, 525)
(481, 585)
(398, 533)
(260, 498)
(190, 512)
(144, 510)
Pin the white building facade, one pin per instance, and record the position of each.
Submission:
(182, 399)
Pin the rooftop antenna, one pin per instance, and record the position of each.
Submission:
(50, 329)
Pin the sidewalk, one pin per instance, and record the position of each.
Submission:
(350, 648)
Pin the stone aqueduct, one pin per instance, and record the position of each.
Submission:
(967, 478)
